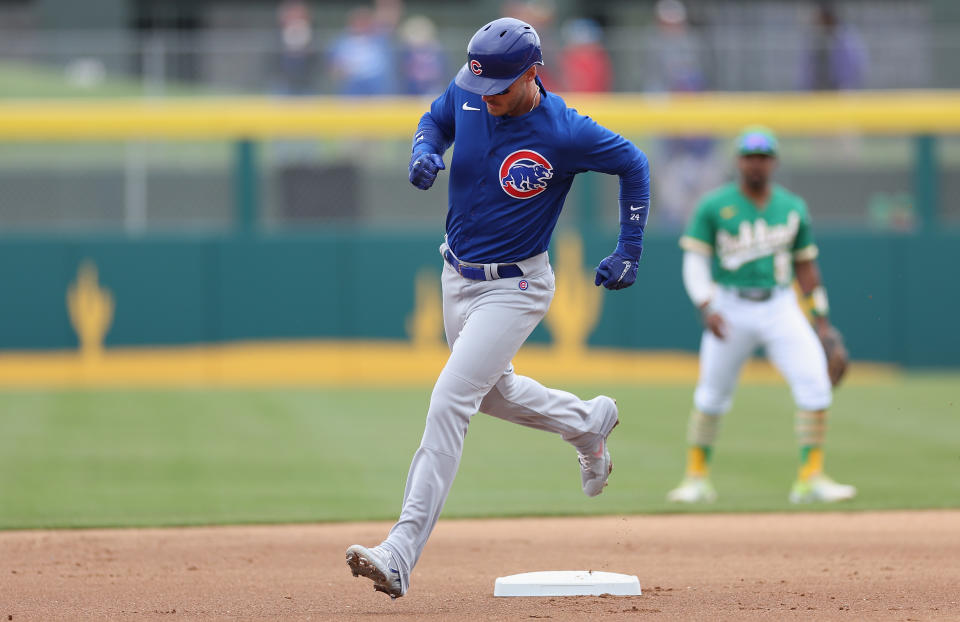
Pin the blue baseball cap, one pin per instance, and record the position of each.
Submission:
(497, 55)
(757, 140)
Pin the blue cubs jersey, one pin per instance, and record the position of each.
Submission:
(509, 176)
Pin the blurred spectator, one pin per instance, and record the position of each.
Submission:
(674, 53)
(835, 61)
(584, 63)
(837, 57)
(362, 58)
(541, 15)
(687, 167)
(422, 58)
(388, 13)
(297, 57)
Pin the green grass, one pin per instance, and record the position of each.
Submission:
(123, 458)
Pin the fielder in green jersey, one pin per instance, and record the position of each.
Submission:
(743, 246)
(750, 246)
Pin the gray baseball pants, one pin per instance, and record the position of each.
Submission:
(486, 322)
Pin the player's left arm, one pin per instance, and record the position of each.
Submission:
(807, 272)
(599, 149)
(811, 286)
(838, 358)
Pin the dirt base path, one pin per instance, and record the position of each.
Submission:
(816, 566)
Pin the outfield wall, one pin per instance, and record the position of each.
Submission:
(891, 295)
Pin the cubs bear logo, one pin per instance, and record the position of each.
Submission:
(524, 174)
(475, 67)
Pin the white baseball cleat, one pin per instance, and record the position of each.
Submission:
(596, 466)
(693, 489)
(820, 488)
(376, 564)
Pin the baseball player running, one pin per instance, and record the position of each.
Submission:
(518, 149)
(743, 244)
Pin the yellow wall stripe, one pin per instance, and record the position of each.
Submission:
(875, 112)
(351, 363)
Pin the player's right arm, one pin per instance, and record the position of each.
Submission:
(697, 243)
(433, 137)
(701, 289)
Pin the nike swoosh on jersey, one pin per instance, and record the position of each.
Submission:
(633, 209)
(467, 106)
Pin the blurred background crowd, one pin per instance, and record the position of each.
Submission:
(296, 48)
(299, 47)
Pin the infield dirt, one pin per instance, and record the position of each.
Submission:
(796, 566)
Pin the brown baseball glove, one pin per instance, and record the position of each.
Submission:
(838, 359)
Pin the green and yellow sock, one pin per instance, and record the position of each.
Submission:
(702, 431)
(811, 462)
(698, 461)
(811, 427)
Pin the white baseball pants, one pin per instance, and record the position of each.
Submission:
(779, 326)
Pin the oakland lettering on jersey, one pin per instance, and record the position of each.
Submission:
(755, 240)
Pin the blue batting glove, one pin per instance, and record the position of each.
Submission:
(616, 272)
(423, 169)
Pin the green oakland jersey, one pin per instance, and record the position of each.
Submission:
(751, 247)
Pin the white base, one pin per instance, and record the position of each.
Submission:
(567, 583)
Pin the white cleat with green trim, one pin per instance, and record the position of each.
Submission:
(822, 489)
